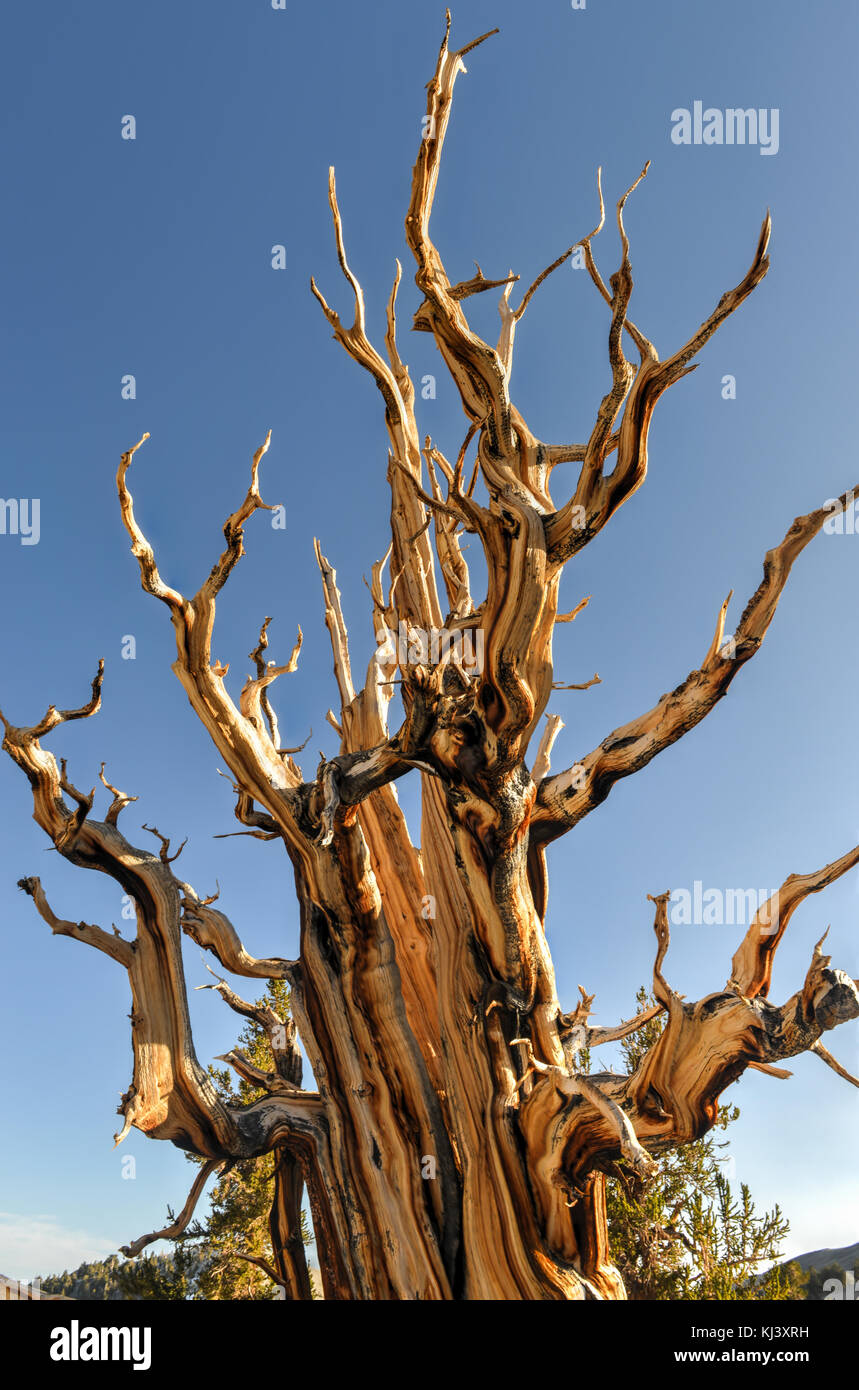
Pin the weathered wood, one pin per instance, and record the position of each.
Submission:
(451, 1149)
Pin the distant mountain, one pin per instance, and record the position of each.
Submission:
(823, 1273)
(96, 1281)
(845, 1258)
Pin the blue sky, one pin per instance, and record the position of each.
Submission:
(153, 257)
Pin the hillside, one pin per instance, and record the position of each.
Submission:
(845, 1258)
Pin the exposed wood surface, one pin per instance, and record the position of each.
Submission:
(450, 1147)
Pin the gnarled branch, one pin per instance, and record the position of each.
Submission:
(563, 800)
(181, 1222)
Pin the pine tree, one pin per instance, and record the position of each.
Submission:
(229, 1256)
(688, 1235)
(94, 1281)
(163, 1277)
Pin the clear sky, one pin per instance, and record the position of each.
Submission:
(152, 257)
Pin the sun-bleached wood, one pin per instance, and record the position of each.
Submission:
(450, 1147)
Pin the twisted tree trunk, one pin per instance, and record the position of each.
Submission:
(451, 1148)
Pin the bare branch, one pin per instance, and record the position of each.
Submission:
(164, 853)
(564, 799)
(281, 1032)
(476, 368)
(259, 1262)
(234, 528)
(662, 991)
(54, 716)
(751, 968)
(454, 568)
(478, 284)
(182, 1220)
(336, 625)
(120, 800)
(271, 1081)
(140, 547)
(84, 806)
(585, 685)
(114, 946)
(779, 1073)
(256, 765)
(542, 762)
(419, 599)
(214, 932)
(574, 612)
(596, 1036)
(257, 695)
(830, 1061)
(597, 497)
(510, 317)
(715, 647)
(254, 698)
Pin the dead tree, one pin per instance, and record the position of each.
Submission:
(451, 1149)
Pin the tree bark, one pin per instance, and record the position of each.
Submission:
(451, 1148)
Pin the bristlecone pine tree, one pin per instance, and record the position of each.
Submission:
(437, 1042)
